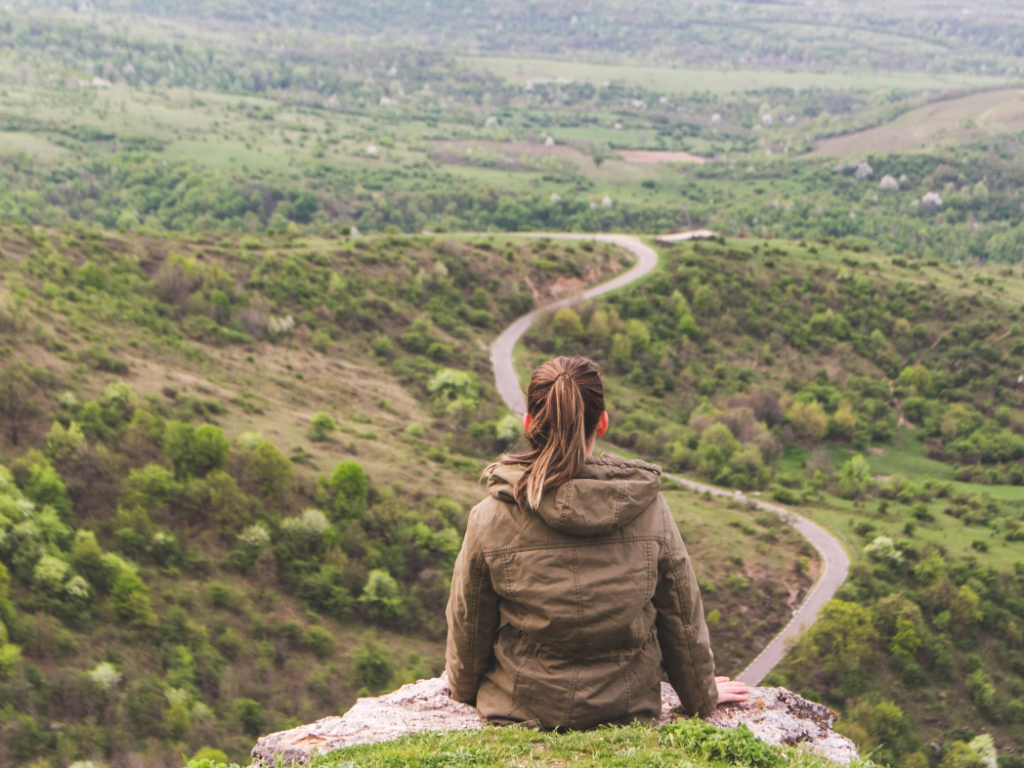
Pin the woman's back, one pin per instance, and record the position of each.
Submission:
(590, 591)
(573, 590)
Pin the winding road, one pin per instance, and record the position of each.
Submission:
(835, 561)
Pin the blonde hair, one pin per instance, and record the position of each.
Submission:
(565, 400)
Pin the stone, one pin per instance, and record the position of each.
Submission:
(775, 715)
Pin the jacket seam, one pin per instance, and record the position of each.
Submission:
(571, 702)
(473, 628)
(515, 686)
(572, 544)
(688, 626)
(565, 507)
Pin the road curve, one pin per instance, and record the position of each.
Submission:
(835, 561)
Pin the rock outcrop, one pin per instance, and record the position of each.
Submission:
(775, 715)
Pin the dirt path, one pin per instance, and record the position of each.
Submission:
(835, 561)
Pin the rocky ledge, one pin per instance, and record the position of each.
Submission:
(774, 715)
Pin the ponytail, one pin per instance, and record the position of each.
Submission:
(565, 400)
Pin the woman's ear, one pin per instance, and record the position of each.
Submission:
(527, 422)
(602, 424)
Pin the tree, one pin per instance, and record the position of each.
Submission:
(716, 447)
(131, 600)
(808, 419)
(17, 406)
(194, 452)
(351, 488)
(966, 608)
(272, 470)
(381, 597)
(838, 644)
(62, 445)
(854, 478)
(249, 714)
(371, 665)
(566, 324)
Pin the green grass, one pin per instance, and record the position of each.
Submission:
(685, 743)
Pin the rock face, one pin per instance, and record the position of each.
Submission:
(775, 715)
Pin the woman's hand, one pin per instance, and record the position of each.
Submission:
(730, 690)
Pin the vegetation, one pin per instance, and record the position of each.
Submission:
(878, 395)
(239, 437)
(691, 742)
(236, 471)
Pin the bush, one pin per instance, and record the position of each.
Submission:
(248, 714)
(271, 469)
(731, 746)
(195, 451)
(320, 642)
(371, 666)
(131, 600)
(321, 427)
(351, 489)
(785, 496)
(381, 598)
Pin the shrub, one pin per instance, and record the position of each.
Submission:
(131, 600)
(785, 496)
(351, 489)
(195, 451)
(381, 598)
(371, 666)
(271, 469)
(209, 754)
(63, 444)
(321, 427)
(320, 642)
(730, 746)
(248, 714)
(149, 488)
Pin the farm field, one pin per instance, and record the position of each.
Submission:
(951, 122)
(719, 81)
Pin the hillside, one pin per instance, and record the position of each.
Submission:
(881, 397)
(235, 471)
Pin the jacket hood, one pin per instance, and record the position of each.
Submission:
(606, 495)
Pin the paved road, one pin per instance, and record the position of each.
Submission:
(835, 562)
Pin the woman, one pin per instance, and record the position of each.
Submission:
(573, 590)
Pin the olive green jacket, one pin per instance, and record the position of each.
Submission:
(566, 617)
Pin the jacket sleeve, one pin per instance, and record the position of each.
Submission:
(682, 631)
(473, 618)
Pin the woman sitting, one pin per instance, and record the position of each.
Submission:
(573, 590)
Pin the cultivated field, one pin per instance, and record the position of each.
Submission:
(945, 122)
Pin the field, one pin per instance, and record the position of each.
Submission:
(951, 122)
(719, 81)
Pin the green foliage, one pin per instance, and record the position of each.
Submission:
(350, 487)
(271, 470)
(381, 597)
(320, 642)
(195, 451)
(732, 746)
(371, 665)
(249, 714)
(130, 598)
(322, 426)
